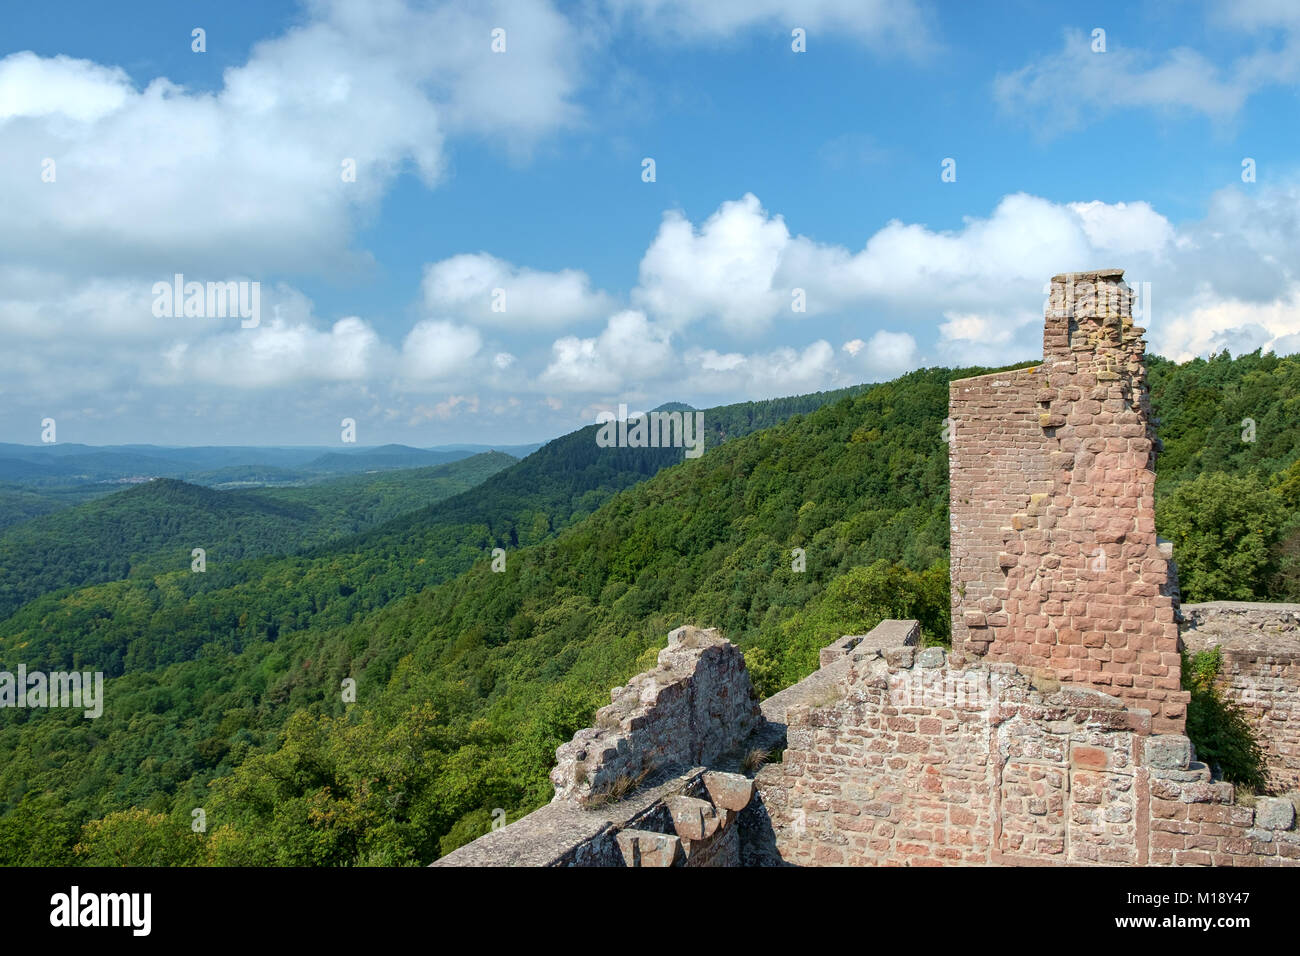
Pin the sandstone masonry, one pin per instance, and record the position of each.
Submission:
(915, 760)
(1050, 735)
(1055, 563)
(649, 785)
(698, 705)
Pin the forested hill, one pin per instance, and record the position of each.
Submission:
(152, 528)
(468, 679)
(154, 619)
(167, 731)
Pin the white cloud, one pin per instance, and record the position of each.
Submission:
(438, 351)
(59, 86)
(1235, 325)
(886, 26)
(726, 269)
(248, 178)
(781, 371)
(889, 354)
(983, 285)
(466, 286)
(970, 295)
(1123, 228)
(967, 338)
(277, 353)
(630, 349)
(1075, 85)
(742, 264)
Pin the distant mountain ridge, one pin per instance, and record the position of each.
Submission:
(154, 526)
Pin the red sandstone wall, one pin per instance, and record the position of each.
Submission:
(1055, 565)
(925, 764)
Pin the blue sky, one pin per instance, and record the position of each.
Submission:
(522, 171)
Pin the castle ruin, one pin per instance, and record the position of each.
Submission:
(1051, 733)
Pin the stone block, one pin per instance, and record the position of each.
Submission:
(1274, 813)
(730, 791)
(900, 656)
(645, 848)
(1168, 752)
(693, 819)
(930, 657)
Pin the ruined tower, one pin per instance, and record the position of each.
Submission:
(1055, 562)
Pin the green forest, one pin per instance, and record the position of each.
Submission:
(227, 696)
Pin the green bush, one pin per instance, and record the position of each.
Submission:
(1218, 728)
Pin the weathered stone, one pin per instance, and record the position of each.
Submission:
(698, 705)
(1031, 743)
(1259, 672)
(730, 791)
(1168, 752)
(930, 657)
(644, 848)
(900, 656)
(1274, 813)
(1052, 508)
(693, 819)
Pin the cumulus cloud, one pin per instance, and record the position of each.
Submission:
(280, 352)
(742, 265)
(246, 181)
(629, 349)
(59, 86)
(889, 354)
(438, 351)
(1238, 326)
(727, 268)
(487, 290)
(982, 287)
(781, 371)
(249, 178)
(969, 295)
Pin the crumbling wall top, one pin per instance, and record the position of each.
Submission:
(696, 706)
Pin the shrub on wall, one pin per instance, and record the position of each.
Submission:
(1218, 729)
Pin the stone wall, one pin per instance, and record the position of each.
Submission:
(686, 821)
(696, 707)
(915, 761)
(1051, 735)
(1055, 562)
(652, 783)
(1261, 673)
(890, 755)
